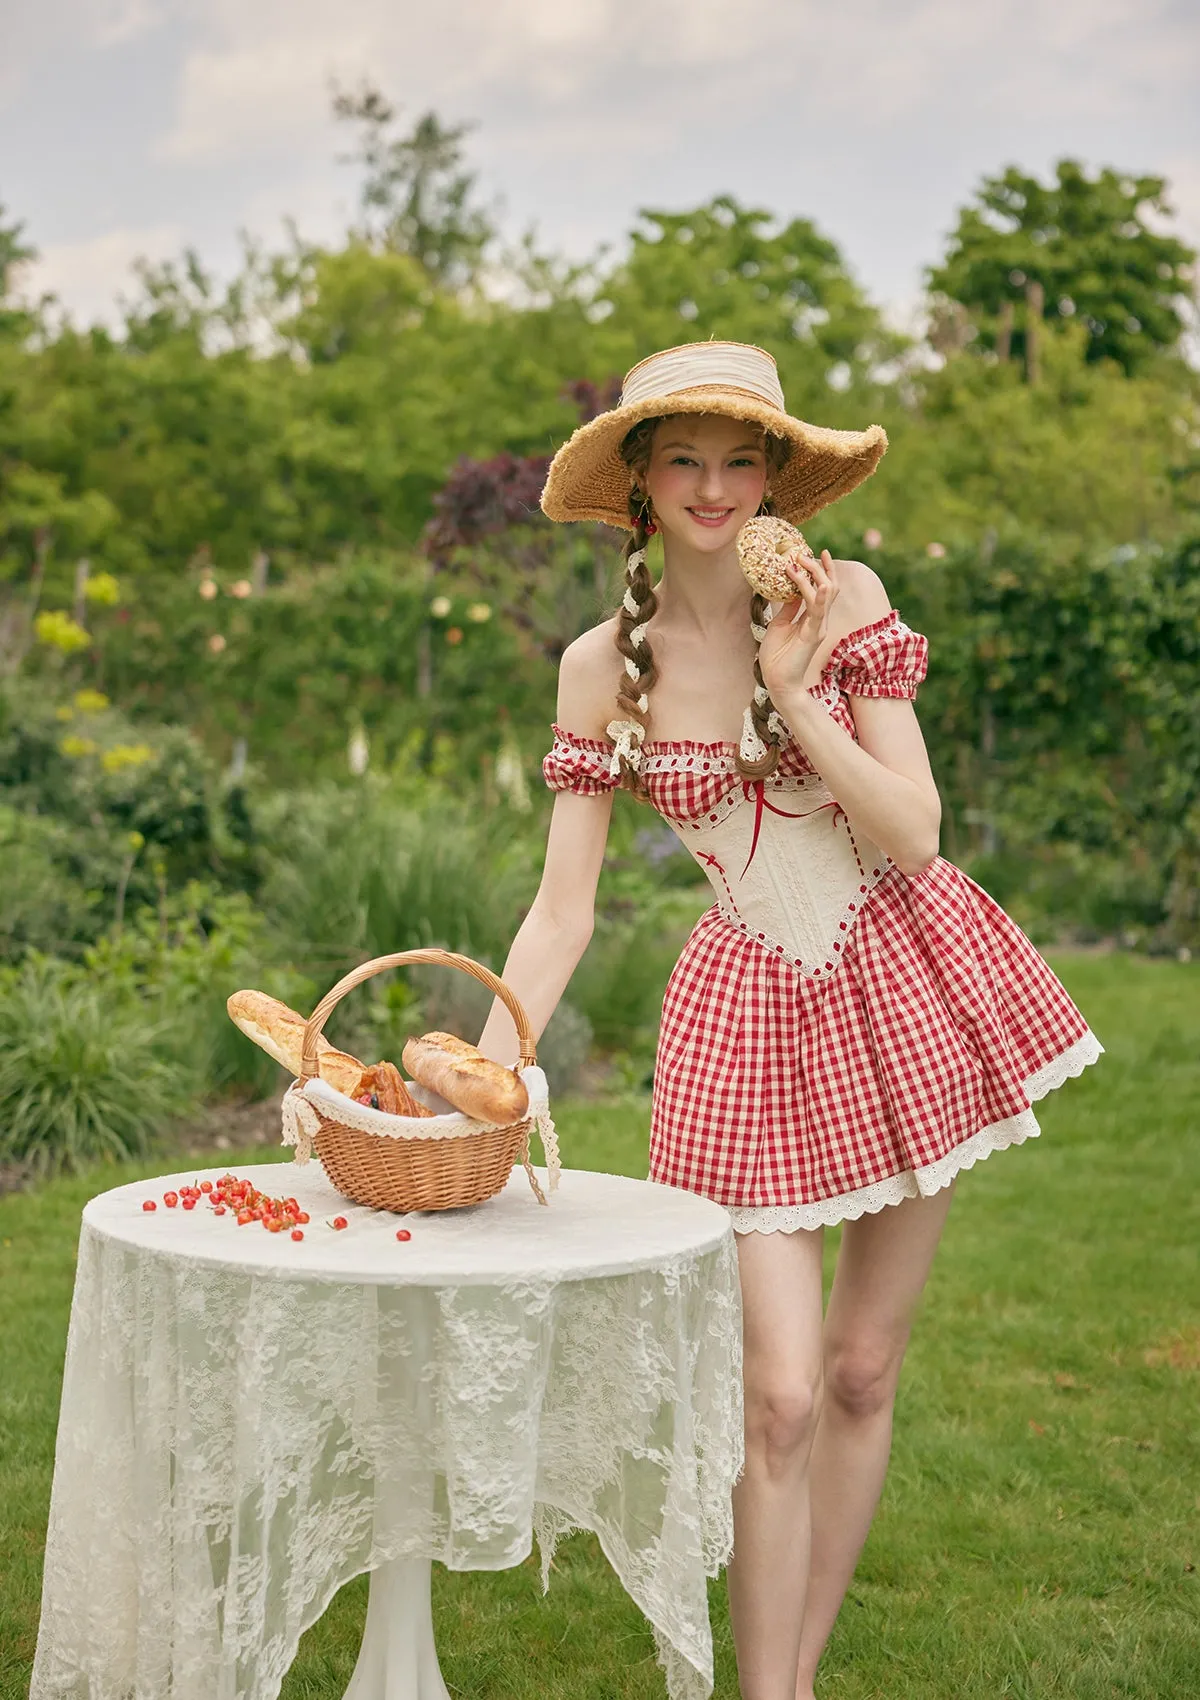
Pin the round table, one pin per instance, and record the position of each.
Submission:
(247, 1422)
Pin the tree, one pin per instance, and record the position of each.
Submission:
(416, 198)
(1088, 243)
(724, 270)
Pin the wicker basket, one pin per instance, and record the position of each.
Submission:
(405, 1169)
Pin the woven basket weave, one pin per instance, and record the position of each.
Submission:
(405, 1169)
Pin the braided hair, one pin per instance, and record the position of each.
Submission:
(764, 731)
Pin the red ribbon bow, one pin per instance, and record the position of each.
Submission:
(757, 789)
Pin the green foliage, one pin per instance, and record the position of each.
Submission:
(1085, 457)
(724, 270)
(361, 871)
(1090, 243)
(82, 1077)
(305, 661)
(49, 899)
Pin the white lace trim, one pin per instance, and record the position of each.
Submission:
(922, 1183)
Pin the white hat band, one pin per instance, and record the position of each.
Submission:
(699, 364)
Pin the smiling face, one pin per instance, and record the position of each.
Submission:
(706, 478)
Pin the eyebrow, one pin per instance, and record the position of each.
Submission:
(741, 449)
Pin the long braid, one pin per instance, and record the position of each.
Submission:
(639, 675)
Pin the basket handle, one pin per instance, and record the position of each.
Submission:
(443, 958)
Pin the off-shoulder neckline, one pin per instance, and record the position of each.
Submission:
(679, 746)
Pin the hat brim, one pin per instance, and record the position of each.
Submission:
(589, 480)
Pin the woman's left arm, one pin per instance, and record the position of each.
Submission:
(884, 781)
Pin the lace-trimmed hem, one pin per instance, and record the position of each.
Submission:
(922, 1183)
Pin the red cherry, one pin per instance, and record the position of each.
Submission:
(170, 1199)
(189, 1204)
(149, 1204)
(302, 1216)
(218, 1210)
(297, 1233)
(340, 1222)
(403, 1234)
(243, 1217)
(206, 1186)
(274, 1226)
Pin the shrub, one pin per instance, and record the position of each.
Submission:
(83, 1077)
(357, 872)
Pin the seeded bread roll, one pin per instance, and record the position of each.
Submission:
(763, 545)
(464, 1077)
(279, 1031)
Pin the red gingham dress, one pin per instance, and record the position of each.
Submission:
(836, 1035)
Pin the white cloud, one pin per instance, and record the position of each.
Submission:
(89, 276)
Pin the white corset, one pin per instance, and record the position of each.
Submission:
(798, 888)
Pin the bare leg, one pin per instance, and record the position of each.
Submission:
(781, 1308)
(882, 1267)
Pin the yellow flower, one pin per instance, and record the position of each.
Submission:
(90, 702)
(61, 632)
(73, 747)
(103, 589)
(125, 755)
(440, 607)
(479, 612)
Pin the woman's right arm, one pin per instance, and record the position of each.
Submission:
(556, 931)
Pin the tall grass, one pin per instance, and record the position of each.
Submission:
(83, 1077)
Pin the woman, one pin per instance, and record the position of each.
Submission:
(854, 1020)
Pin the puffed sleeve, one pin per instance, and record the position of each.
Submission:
(884, 659)
(579, 764)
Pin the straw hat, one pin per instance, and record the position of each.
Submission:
(589, 480)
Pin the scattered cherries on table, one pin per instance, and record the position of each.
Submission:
(241, 1199)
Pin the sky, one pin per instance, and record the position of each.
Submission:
(136, 127)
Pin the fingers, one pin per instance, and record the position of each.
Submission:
(815, 582)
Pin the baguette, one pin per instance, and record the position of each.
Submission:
(279, 1031)
(464, 1077)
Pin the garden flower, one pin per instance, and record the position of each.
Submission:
(872, 538)
(440, 607)
(208, 588)
(935, 551)
(216, 643)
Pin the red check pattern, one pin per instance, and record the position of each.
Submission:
(775, 1089)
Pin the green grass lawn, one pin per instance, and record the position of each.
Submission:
(1040, 1531)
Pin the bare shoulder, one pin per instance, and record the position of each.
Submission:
(861, 598)
(589, 676)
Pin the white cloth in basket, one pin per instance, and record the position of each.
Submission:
(301, 1124)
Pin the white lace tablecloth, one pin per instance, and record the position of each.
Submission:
(248, 1422)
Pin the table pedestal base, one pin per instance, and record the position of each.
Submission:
(398, 1658)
